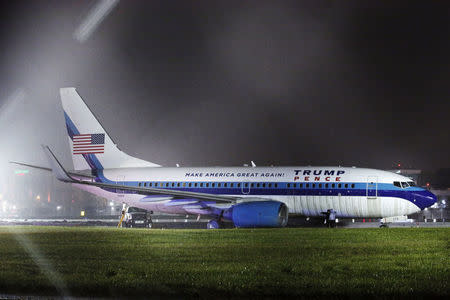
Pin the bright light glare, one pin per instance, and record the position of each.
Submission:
(58, 207)
(45, 265)
(95, 16)
(11, 103)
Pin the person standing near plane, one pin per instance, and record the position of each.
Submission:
(326, 217)
(331, 218)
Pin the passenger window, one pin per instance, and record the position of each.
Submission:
(246, 185)
(339, 185)
(219, 184)
(263, 185)
(257, 185)
(326, 185)
(184, 184)
(307, 185)
(201, 184)
(320, 185)
(301, 185)
(173, 184)
(150, 184)
(213, 184)
(276, 185)
(353, 185)
(295, 185)
(288, 185)
(207, 184)
(270, 185)
(231, 184)
(225, 184)
(190, 184)
(238, 185)
(139, 184)
(346, 185)
(314, 185)
(333, 185)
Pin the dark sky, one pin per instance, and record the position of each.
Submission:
(360, 83)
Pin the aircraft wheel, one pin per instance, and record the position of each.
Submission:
(213, 224)
(150, 225)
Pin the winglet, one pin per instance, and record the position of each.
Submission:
(56, 166)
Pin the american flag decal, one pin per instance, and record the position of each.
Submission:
(89, 143)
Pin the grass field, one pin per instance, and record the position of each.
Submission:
(71, 261)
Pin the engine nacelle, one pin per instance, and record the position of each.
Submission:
(260, 214)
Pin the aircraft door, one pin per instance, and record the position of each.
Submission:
(245, 187)
(372, 187)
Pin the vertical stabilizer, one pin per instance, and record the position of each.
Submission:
(89, 143)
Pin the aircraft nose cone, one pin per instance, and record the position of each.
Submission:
(432, 197)
(425, 199)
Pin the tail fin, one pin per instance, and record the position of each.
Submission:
(90, 144)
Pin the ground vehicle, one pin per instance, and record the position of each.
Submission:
(137, 217)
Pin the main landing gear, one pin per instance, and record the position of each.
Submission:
(215, 223)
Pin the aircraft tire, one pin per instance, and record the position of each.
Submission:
(213, 224)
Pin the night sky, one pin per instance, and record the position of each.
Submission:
(354, 83)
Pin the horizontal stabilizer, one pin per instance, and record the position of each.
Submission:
(76, 174)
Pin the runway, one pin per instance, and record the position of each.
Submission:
(176, 222)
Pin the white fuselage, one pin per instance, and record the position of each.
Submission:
(308, 191)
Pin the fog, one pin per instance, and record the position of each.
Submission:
(213, 83)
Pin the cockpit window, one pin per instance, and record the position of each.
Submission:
(405, 185)
(397, 184)
(411, 183)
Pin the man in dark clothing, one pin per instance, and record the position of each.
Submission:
(327, 218)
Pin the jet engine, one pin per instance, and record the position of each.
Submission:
(259, 214)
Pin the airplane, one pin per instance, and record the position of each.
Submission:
(248, 196)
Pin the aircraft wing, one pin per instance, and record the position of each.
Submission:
(62, 175)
